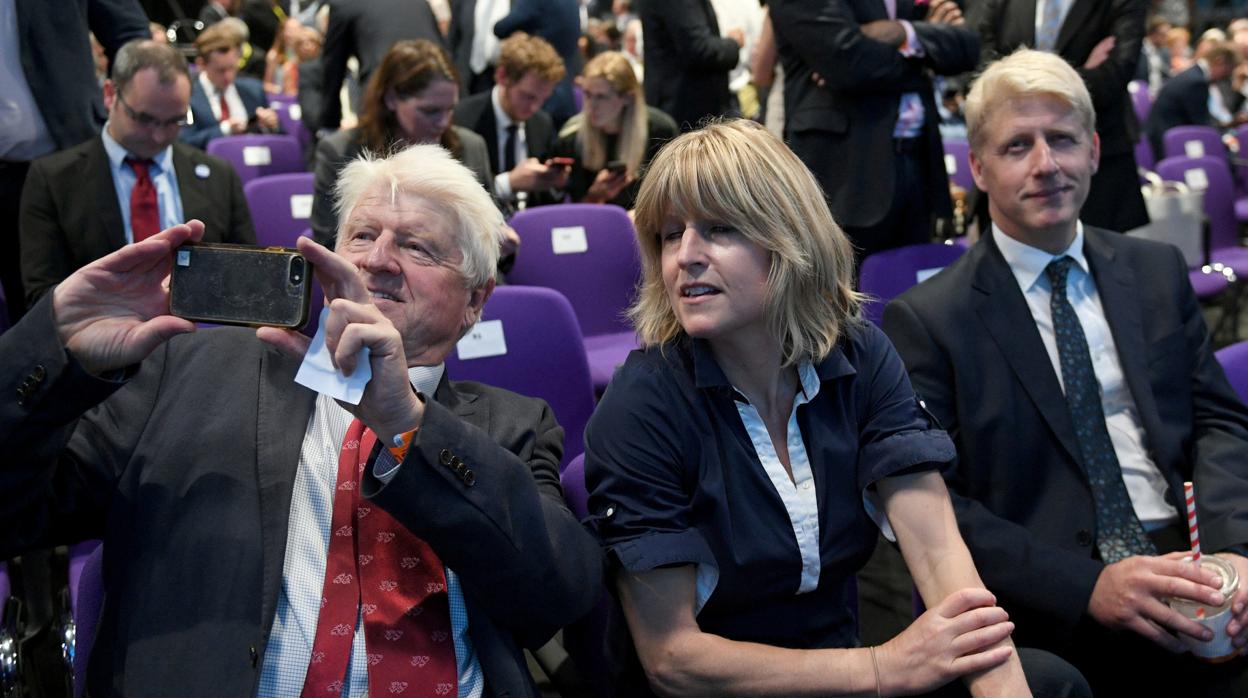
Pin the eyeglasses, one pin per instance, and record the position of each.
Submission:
(147, 120)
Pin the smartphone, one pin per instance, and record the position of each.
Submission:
(560, 162)
(616, 167)
(240, 285)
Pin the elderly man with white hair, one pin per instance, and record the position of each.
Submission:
(261, 539)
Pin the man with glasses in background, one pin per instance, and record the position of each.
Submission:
(131, 181)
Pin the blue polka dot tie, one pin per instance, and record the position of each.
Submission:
(1119, 533)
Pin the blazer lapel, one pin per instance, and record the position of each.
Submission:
(463, 404)
(196, 202)
(110, 224)
(1022, 18)
(282, 416)
(1116, 284)
(1003, 310)
(1075, 20)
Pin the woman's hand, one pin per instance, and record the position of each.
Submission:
(607, 185)
(955, 638)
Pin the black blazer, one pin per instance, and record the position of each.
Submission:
(1022, 500)
(687, 61)
(367, 29)
(477, 115)
(205, 127)
(70, 214)
(843, 131)
(1183, 101)
(187, 471)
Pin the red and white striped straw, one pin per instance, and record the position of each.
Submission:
(1189, 494)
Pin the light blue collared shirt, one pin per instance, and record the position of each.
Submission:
(168, 197)
(307, 547)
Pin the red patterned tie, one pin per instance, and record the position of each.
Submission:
(377, 567)
(225, 107)
(144, 212)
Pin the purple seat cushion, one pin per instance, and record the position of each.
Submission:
(1234, 257)
(606, 353)
(1241, 209)
(1207, 285)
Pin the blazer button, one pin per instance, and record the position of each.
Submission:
(39, 373)
(1083, 538)
(444, 457)
(469, 477)
(255, 656)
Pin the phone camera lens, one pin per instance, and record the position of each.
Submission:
(297, 268)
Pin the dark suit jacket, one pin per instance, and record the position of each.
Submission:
(844, 130)
(186, 471)
(70, 214)
(687, 61)
(367, 29)
(1183, 101)
(56, 58)
(459, 37)
(204, 126)
(558, 22)
(210, 14)
(1021, 497)
(477, 115)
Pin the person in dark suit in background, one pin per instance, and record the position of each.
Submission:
(51, 99)
(366, 29)
(1184, 99)
(474, 47)
(559, 23)
(1154, 65)
(1073, 369)
(1102, 40)
(687, 60)
(218, 483)
(214, 11)
(224, 103)
(860, 111)
(518, 134)
(131, 181)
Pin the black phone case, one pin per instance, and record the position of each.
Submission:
(241, 285)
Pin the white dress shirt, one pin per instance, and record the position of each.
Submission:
(164, 178)
(1145, 483)
(237, 109)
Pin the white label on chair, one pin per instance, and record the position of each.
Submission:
(569, 240)
(484, 339)
(1194, 149)
(924, 274)
(296, 112)
(256, 155)
(951, 165)
(1196, 178)
(300, 206)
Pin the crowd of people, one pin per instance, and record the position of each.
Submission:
(1021, 426)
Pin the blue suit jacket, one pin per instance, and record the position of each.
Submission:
(204, 126)
(1022, 499)
(186, 470)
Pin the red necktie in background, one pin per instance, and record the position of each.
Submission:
(225, 107)
(379, 568)
(144, 212)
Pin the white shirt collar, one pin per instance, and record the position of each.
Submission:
(1028, 263)
(426, 378)
(117, 154)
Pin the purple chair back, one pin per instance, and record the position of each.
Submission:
(540, 355)
(279, 100)
(281, 206)
(885, 275)
(290, 116)
(587, 252)
(1234, 360)
(1193, 142)
(1141, 101)
(1215, 178)
(958, 164)
(259, 155)
(90, 594)
(78, 554)
(1144, 154)
(1241, 163)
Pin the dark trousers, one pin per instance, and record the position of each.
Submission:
(1114, 200)
(909, 217)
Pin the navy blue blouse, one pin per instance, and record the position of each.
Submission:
(674, 479)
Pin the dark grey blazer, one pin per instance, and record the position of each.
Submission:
(186, 471)
(70, 214)
(1022, 500)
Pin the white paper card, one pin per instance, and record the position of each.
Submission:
(296, 112)
(924, 274)
(483, 340)
(318, 373)
(951, 165)
(256, 155)
(569, 240)
(1196, 179)
(300, 206)
(1194, 149)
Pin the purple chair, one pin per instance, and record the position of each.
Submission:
(586, 639)
(1212, 175)
(89, 591)
(278, 100)
(1141, 100)
(259, 155)
(1234, 360)
(1144, 157)
(1193, 142)
(885, 275)
(540, 354)
(290, 116)
(958, 164)
(281, 206)
(587, 252)
(9, 635)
